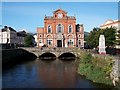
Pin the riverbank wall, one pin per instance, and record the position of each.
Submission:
(16, 55)
(115, 74)
(96, 68)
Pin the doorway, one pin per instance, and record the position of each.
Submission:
(59, 43)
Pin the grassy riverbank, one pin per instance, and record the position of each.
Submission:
(96, 68)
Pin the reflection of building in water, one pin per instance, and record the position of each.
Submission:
(60, 30)
(58, 75)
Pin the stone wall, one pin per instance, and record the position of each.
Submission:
(15, 55)
(115, 74)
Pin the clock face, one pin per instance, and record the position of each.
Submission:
(60, 15)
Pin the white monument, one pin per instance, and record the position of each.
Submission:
(102, 45)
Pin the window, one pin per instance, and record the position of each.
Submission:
(49, 29)
(60, 28)
(40, 35)
(79, 42)
(69, 29)
(40, 41)
(78, 28)
(70, 42)
(49, 42)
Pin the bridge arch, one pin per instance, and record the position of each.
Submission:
(48, 55)
(67, 55)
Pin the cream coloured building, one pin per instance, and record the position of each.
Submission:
(112, 23)
(8, 35)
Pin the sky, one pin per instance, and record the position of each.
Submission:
(30, 15)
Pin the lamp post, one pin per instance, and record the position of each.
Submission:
(63, 40)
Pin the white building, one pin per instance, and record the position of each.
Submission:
(112, 23)
(109, 23)
(8, 36)
(35, 38)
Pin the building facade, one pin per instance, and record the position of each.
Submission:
(60, 31)
(35, 39)
(112, 23)
(10, 37)
(21, 38)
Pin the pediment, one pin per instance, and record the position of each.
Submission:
(60, 10)
(108, 22)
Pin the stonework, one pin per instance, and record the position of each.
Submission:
(102, 45)
(60, 31)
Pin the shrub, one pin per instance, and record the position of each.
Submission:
(96, 68)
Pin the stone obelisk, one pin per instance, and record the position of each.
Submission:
(102, 45)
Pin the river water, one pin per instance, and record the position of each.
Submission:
(45, 74)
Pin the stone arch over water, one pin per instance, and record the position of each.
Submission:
(67, 56)
(48, 55)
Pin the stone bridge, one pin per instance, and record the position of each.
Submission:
(56, 51)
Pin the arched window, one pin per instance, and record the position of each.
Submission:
(40, 36)
(49, 42)
(70, 42)
(70, 29)
(79, 42)
(40, 41)
(49, 29)
(60, 28)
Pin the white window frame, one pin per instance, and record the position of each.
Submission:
(50, 27)
(69, 41)
(80, 42)
(51, 42)
(71, 28)
(61, 27)
(40, 40)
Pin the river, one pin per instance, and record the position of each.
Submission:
(45, 74)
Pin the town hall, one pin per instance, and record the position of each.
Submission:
(60, 30)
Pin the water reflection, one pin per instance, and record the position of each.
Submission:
(45, 74)
(57, 74)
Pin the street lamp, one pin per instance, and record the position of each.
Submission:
(63, 40)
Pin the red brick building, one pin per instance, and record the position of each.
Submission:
(60, 31)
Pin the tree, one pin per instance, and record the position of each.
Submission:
(92, 39)
(29, 40)
(86, 34)
(118, 38)
(109, 33)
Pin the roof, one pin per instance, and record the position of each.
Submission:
(109, 21)
(5, 29)
(22, 33)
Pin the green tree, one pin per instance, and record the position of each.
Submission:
(92, 39)
(118, 37)
(29, 40)
(86, 34)
(109, 33)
